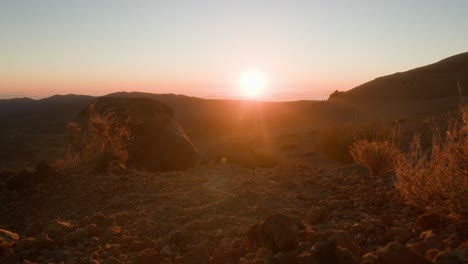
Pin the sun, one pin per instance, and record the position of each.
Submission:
(253, 84)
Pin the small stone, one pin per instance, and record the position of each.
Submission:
(316, 214)
(34, 244)
(77, 235)
(8, 238)
(451, 257)
(113, 231)
(434, 220)
(196, 256)
(21, 180)
(111, 260)
(387, 219)
(166, 250)
(369, 258)
(344, 256)
(325, 252)
(398, 253)
(7, 256)
(278, 232)
(148, 256)
(34, 228)
(57, 228)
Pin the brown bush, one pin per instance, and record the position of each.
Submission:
(378, 156)
(438, 177)
(103, 138)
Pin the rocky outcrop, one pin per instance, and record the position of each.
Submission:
(137, 132)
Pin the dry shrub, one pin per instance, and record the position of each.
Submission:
(103, 136)
(438, 177)
(335, 142)
(378, 156)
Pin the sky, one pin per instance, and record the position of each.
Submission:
(305, 49)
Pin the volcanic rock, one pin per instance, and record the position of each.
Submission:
(398, 253)
(278, 232)
(7, 238)
(136, 132)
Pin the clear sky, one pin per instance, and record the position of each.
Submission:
(305, 49)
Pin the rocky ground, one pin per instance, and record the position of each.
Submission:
(222, 213)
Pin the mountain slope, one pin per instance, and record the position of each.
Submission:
(436, 80)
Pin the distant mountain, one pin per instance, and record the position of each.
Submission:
(40, 116)
(436, 80)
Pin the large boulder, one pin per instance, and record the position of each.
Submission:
(137, 132)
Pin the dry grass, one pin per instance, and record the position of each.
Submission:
(103, 136)
(378, 156)
(438, 177)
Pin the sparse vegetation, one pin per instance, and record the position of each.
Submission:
(438, 177)
(335, 142)
(103, 138)
(378, 156)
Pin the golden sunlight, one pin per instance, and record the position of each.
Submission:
(253, 84)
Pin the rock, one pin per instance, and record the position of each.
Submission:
(463, 247)
(278, 232)
(398, 253)
(101, 220)
(316, 214)
(431, 254)
(343, 239)
(196, 256)
(113, 231)
(345, 256)
(397, 234)
(77, 235)
(34, 228)
(138, 132)
(451, 257)
(7, 256)
(34, 244)
(369, 258)
(325, 252)
(57, 227)
(8, 238)
(21, 179)
(166, 250)
(304, 258)
(111, 260)
(140, 245)
(283, 258)
(387, 219)
(148, 256)
(432, 240)
(433, 220)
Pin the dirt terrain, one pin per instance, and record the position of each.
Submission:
(204, 215)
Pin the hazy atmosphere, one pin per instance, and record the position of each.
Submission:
(304, 49)
(233, 132)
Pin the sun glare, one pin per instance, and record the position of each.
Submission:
(253, 84)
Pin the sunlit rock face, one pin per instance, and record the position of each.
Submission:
(136, 132)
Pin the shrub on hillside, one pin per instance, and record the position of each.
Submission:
(378, 156)
(336, 141)
(438, 177)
